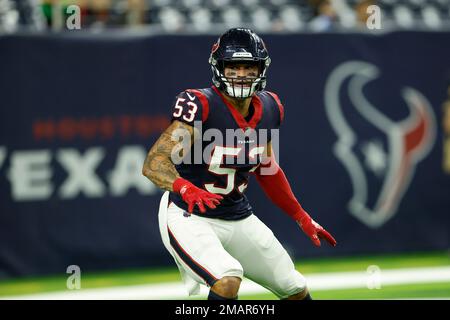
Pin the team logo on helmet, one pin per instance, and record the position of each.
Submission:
(215, 46)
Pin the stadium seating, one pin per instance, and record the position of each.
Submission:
(262, 15)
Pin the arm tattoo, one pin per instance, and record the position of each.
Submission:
(158, 166)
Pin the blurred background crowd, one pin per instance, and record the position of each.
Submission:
(203, 16)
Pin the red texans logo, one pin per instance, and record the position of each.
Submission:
(215, 46)
(407, 142)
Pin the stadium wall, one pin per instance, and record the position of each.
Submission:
(362, 143)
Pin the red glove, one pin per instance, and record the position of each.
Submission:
(193, 195)
(277, 188)
(313, 230)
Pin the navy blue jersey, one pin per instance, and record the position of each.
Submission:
(229, 149)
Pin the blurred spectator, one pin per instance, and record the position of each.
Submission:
(15, 14)
(96, 13)
(9, 16)
(136, 12)
(208, 15)
(47, 11)
(100, 11)
(324, 15)
(55, 11)
(361, 12)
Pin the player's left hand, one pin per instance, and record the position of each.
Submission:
(314, 230)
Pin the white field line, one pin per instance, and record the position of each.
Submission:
(316, 282)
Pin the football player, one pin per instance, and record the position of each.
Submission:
(206, 222)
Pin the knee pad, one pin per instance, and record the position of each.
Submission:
(294, 283)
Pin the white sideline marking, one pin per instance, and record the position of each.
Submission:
(318, 281)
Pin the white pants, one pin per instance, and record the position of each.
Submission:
(207, 249)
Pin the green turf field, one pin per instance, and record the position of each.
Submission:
(13, 287)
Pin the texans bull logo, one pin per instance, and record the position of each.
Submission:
(381, 167)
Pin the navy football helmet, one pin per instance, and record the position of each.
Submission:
(243, 46)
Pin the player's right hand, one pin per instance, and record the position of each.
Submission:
(193, 195)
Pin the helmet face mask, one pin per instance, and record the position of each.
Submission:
(241, 46)
(239, 87)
